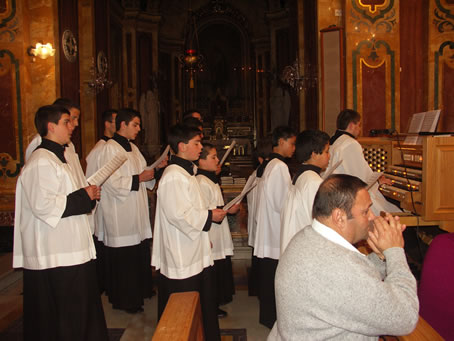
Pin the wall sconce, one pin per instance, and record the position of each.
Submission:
(40, 50)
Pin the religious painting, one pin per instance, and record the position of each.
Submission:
(444, 83)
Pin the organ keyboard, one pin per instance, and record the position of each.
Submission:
(421, 175)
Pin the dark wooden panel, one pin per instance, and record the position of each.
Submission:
(447, 113)
(413, 59)
(102, 44)
(7, 105)
(374, 98)
(69, 71)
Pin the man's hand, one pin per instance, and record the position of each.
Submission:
(234, 209)
(218, 215)
(387, 233)
(383, 180)
(146, 175)
(94, 192)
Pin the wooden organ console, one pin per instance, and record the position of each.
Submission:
(422, 177)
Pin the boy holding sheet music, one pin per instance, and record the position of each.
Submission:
(220, 237)
(312, 151)
(53, 240)
(271, 193)
(124, 207)
(181, 244)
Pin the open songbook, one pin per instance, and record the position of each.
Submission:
(107, 170)
(250, 184)
(422, 122)
(161, 158)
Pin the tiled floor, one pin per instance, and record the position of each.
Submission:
(242, 312)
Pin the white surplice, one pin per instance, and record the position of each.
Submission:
(125, 212)
(349, 150)
(42, 238)
(219, 233)
(297, 211)
(272, 191)
(181, 249)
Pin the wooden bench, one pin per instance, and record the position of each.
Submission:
(182, 319)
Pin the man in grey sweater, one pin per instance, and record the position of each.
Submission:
(327, 289)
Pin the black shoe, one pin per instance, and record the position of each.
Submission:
(221, 313)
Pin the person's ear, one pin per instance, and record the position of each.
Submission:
(50, 127)
(182, 147)
(339, 217)
(123, 125)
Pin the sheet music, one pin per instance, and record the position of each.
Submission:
(373, 179)
(331, 170)
(429, 124)
(102, 174)
(240, 197)
(227, 152)
(250, 184)
(422, 122)
(161, 158)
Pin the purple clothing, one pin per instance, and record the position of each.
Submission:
(436, 289)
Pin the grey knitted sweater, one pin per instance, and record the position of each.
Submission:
(324, 291)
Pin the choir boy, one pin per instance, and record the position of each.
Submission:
(220, 237)
(108, 119)
(124, 208)
(53, 240)
(181, 244)
(312, 151)
(272, 191)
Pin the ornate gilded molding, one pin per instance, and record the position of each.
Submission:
(373, 10)
(8, 13)
(9, 23)
(448, 57)
(383, 25)
(444, 17)
(221, 8)
(9, 168)
(374, 54)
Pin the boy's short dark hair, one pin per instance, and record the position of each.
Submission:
(46, 114)
(310, 141)
(66, 103)
(262, 150)
(347, 116)
(189, 112)
(125, 115)
(206, 150)
(180, 133)
(282, 132)
(337, 191)
(193, 122)
(106, 116)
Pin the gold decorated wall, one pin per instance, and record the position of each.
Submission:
(25, 85)
(372, 61)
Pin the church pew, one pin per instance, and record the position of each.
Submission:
(182, 319)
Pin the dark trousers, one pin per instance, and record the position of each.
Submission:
(266, 273)
(225, 286)
(204, 283)
(128, 275)
(63, 303)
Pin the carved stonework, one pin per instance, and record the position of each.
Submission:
(221, 8)
(444, 15)
(69, 45)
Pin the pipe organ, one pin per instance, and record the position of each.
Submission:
(422, 177)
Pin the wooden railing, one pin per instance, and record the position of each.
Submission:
(182, 319)
(422, 332)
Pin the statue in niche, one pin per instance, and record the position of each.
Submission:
(149, 110)
(219, 106)
(280, 104)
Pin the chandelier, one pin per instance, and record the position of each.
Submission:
(291, 75)
(191, 59)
